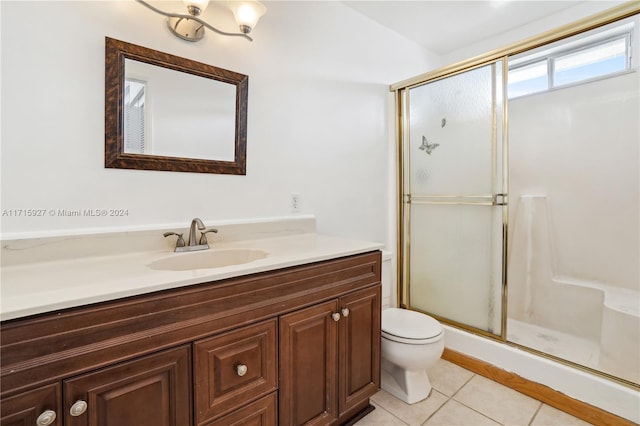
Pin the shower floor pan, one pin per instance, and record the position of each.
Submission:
(562, 345)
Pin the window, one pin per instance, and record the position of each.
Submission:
(594, 61)
(530, 78)
(134, 116)
(592, 57)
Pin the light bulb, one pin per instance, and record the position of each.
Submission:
(196, 7)
(247, 13)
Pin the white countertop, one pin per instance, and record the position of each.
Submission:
(39, 287)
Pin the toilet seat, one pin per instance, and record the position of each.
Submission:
(411, 327)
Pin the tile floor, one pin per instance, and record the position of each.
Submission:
(460, 397)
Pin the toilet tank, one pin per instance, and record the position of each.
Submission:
(388, 279)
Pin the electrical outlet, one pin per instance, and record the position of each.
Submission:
(294, 203)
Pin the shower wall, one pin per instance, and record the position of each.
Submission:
(579, 147)
(573, 257)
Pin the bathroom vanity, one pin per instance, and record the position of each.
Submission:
(288, 345)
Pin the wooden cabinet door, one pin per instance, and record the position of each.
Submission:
(25, 409)
(308, 366)
(234, 368)
(359, 334)
(151, 391)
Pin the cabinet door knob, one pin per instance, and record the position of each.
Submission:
(335, 316)
(241, 370)
(345, 312)
(46, 418)
(78, 408)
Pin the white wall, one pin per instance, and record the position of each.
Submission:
(551, 22)
(317, 119)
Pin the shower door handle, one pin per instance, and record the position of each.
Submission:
(499, 199)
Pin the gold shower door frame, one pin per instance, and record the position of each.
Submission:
(497, 197)
(401, 90)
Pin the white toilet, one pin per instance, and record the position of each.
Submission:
(411, 343)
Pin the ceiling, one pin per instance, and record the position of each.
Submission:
(445, 26)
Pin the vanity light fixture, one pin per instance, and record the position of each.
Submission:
(191, 28)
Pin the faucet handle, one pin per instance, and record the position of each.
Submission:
(180, 242)
(203, 237)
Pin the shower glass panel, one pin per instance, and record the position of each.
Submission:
(454, 206)
(574, 245)
(451, 135)
(459, 280)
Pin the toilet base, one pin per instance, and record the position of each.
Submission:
(406, 385)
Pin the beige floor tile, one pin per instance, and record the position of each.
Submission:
(455, 414)
(448, 378)
(414, 414)
(549, 416)
(379, 417)
(502, 404)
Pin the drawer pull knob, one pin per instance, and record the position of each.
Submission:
(345, 312)
(46, 418)
(78, 408)
(241, 370)
(335, 316)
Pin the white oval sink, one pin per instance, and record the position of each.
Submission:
(211, 258)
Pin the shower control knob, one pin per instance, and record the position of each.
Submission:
(345, 312)
(46, 418)
(335, 316)
(78, 408)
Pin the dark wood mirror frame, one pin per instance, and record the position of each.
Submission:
(115, 157)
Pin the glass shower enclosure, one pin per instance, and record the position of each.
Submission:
(519, 195)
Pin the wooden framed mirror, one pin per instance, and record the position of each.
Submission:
(164, 112)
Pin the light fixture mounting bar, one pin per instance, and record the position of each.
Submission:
(191, 18)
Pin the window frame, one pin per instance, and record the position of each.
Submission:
(625, 31)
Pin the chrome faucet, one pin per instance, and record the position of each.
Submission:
(194, 244)
(192, 230)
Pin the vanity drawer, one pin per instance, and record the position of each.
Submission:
(262, 412)
(234, 368)
(41, 405)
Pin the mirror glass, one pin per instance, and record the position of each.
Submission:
(163, 112)
(175, 114)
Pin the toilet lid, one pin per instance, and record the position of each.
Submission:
(406, 324)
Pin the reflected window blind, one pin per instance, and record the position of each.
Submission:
(134, 116)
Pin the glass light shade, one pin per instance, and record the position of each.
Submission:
(247, 13)
(199, 4)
